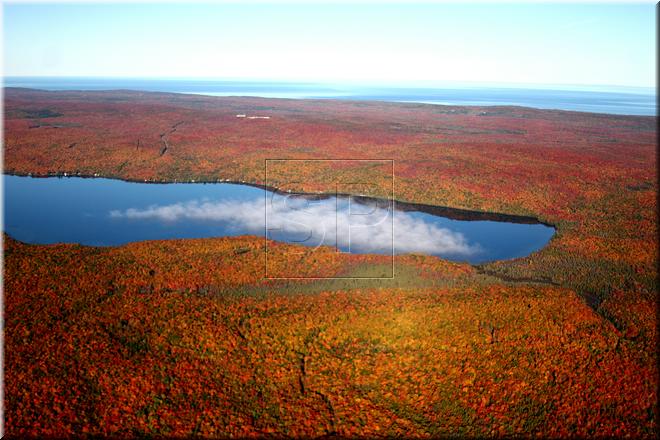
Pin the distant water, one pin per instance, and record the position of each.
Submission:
(615, 100)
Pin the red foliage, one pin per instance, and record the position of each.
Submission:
(185, 337)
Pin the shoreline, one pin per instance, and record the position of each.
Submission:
(375, 99)
(436, 210)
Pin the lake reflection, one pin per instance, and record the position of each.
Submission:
(110, 212)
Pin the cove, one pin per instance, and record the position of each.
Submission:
(107, 212)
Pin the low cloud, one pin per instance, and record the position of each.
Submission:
(333, 222)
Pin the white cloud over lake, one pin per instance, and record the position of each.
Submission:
(362, 228)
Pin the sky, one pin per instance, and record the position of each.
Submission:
(542, 43)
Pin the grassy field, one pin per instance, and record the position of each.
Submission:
(186, 337)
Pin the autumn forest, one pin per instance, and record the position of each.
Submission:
(187, 337)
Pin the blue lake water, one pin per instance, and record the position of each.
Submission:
(105, 212)
(615, 100)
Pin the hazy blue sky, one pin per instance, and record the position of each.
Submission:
(539, 43)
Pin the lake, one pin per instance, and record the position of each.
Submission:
(106, 212)
(599, 99)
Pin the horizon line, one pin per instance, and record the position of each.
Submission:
(428, 82)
